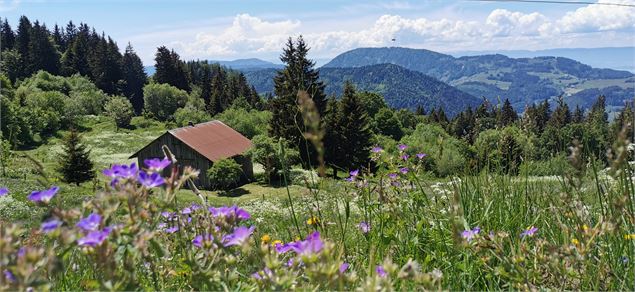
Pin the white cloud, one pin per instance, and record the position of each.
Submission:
(8, 5)
(599, 18)
(249, 35)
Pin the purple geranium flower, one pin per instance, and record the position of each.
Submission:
(311, 245)
(50, 225)
(381, 272)
(529, 232)
(199, 240)
(151, 180)
(469, 234)
(232, 212)
(90, 223)
(122, 171)
(156, 164)
(172, 229)
(43, 196)
(354, 173)
(405, 157)
(421, 155)
(392, 176)
(404, 170)
(403, 147)
(3, 192)
(95, 238)
(9, 276)
(343, 267)
(364, 227)
(377, 149)
(238, 237)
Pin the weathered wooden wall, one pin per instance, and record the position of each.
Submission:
(185, 155)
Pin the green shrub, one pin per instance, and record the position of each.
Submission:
(558, 165)
(446, 154)
(224, 174)
(247, 122)
(120, 109)
(162, 100)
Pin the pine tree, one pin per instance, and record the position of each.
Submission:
(596, 139)
(421, 111)
(298, 74)
(75, 59)
(22, 39)
(218, 93)
(354, 130)
(507, 115)
(43, 54)
(170, 69)
(58, 38)
(7, 37)
(332, 140)
(578, 115)
(206, 84)
(134, 78)
(75, 164)
(561, 115)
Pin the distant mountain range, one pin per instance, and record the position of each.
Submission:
(523, 80)
(618, 58)
(245, 65)
(402, 88)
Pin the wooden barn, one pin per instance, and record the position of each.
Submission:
(199, 146)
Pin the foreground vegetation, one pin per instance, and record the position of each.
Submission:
(373, 231)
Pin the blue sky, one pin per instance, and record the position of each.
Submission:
(242, 29)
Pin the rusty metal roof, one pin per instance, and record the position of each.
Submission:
(212, 139)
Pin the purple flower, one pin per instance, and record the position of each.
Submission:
(469, 234)
(172, 229)
(354, 173)
(404, 170)
(50, 225)
(364, 227)
(232, 212)
(9, 276)
(43, 196)
(311, 245)
(238, 237)
(3, 192)
(377, 149)
(343, 267)
(403, 147)
(151, 180)
(392, 176)
(156, 164)
(381, 272)
(94, 238)
(90, 223)
(122, 171)
(199, 240)
(405, 157)
(529, 232)
(421, 155)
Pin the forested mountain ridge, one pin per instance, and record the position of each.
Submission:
(523, 80)
(401, 88)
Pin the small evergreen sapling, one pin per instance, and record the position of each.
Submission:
(75, 164)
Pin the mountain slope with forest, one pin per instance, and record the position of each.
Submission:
(402, 88)
(523, 80)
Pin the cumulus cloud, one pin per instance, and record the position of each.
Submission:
(249, 35)
(598, 18)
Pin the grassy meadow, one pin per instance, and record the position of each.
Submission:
(395, 229)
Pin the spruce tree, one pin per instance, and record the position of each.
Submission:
(7, 37)
(58, 38)
(354, 130)
(134, 78)
(298, 75)
(561, 116)
(578, 115)
(170, 69)
(75, 164)
(332, 140)
(43, 54)
(507, 115)
(22, 39)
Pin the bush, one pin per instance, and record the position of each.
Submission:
(193, 112)
(247, 122)
(120, 109)
(162, 100)
(266, 152)
(558, 165)
(446, 154)
(224, 174)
